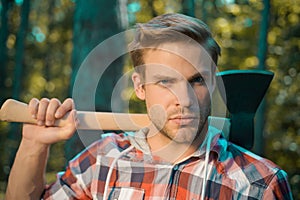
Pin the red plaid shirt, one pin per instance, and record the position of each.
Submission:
(234, 173)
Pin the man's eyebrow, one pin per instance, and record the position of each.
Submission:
(199, 74)
(202, 74)
(161, 76)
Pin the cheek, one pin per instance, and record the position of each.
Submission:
(158, 115)
(203, 96)
(158, 95)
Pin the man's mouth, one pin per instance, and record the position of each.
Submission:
(183, 120)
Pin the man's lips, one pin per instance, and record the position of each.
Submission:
(183, 120)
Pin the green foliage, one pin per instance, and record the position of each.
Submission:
(47, 64)
(46, 68)
(283, 125)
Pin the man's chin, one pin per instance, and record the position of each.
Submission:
(185, 136)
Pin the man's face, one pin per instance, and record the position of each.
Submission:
(177, 88)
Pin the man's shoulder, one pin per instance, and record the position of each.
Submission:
(117, 138)
(239, 162)
(109, 142)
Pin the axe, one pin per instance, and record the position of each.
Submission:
(16, 111)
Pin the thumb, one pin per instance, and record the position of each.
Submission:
(69, 128)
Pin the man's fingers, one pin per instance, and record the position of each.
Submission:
(42, 109)
(65, 107)
(51, 110)
(70, 128)
(33, 107)
(46, 111)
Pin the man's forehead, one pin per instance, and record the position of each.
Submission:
(162, 69)
(192, 52)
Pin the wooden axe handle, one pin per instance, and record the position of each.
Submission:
(15, 111)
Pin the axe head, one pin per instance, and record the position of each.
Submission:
(243, 91)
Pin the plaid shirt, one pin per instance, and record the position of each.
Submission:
(234, 173)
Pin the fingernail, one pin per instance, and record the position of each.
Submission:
(57, 114)
(34, 116)
(40, 123)
(48, 123)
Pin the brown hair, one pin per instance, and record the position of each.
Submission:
(161, 29)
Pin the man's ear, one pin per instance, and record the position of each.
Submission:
(138, 85)
(213, 83)
(213, 79)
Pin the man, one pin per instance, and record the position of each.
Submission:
(179, 156)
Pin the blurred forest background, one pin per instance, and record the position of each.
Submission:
(43, 43)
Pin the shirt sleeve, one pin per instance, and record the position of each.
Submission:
(279, 187)
(75, 182)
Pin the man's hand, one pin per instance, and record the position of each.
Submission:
(46, 111)
(26, 180)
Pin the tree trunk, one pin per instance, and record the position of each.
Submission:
(4, 161)
(188, 7)
(15, 128)
(94, 22)
(262, 53)
(3, 49)
(20, 49)
(203, 11)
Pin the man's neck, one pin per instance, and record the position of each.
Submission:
(171, 151)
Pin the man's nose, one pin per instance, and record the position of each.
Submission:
(185, 95)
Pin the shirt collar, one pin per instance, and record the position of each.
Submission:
(215, 146)
(218, 145)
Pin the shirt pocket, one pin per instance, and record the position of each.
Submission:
(125, 193)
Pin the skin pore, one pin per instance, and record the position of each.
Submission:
(177, 96)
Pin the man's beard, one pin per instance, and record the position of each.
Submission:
(201, 113)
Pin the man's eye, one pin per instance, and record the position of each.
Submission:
(164, 81)
(198, 80)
